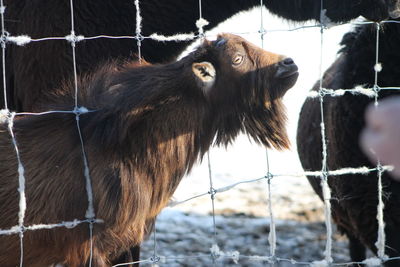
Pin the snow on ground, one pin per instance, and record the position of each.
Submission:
(242, 221)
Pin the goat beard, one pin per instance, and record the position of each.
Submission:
(265, 124)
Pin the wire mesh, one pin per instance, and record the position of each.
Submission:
(324, 174)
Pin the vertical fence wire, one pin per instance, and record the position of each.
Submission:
(201, 22)
(10, 119)
(324, 168)
(3, 49)
(272, 228)
(262, 29)
(200, 10)
(377, 66)
(380, 243)
(138, 36)
(212, 193)
(21, 188)
(155, 258)
(90, 213)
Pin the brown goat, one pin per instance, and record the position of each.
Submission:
(150, 126)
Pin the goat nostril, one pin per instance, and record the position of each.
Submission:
(286, 68)
(288, 61)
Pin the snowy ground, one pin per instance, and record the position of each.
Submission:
(242, 221)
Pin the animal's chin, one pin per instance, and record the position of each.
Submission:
(289, 80)
(283, 84)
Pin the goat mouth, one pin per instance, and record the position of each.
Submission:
(293, 75)
(283, 84)
(289, 79)
(288, 72)
(289, 76)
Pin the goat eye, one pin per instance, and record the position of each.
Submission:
(237, 60)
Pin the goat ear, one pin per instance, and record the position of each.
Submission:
(205, 74)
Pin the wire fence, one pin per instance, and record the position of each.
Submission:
(216, 254)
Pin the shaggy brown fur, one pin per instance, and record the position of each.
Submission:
(152, 123)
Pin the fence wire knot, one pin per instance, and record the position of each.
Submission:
(376, 89)
(155, 259)
(4, 38)
(22, 229)
(322, 92)
(262, 32)
(212, 192)
(269, 176)
(79, 111)
(200, 24)
(73, 38)
(215, 252)
(139, 37)
(380, 168)
(273, 259)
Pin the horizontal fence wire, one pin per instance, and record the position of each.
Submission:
(216, 254)
(22, 40)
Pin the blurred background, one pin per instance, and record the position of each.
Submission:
(242, 213)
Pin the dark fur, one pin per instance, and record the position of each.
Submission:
(152, 124)
(355, 197)
(33, 71)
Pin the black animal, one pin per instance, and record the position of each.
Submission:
(37, 69)
(355, 198)
(151, 124)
